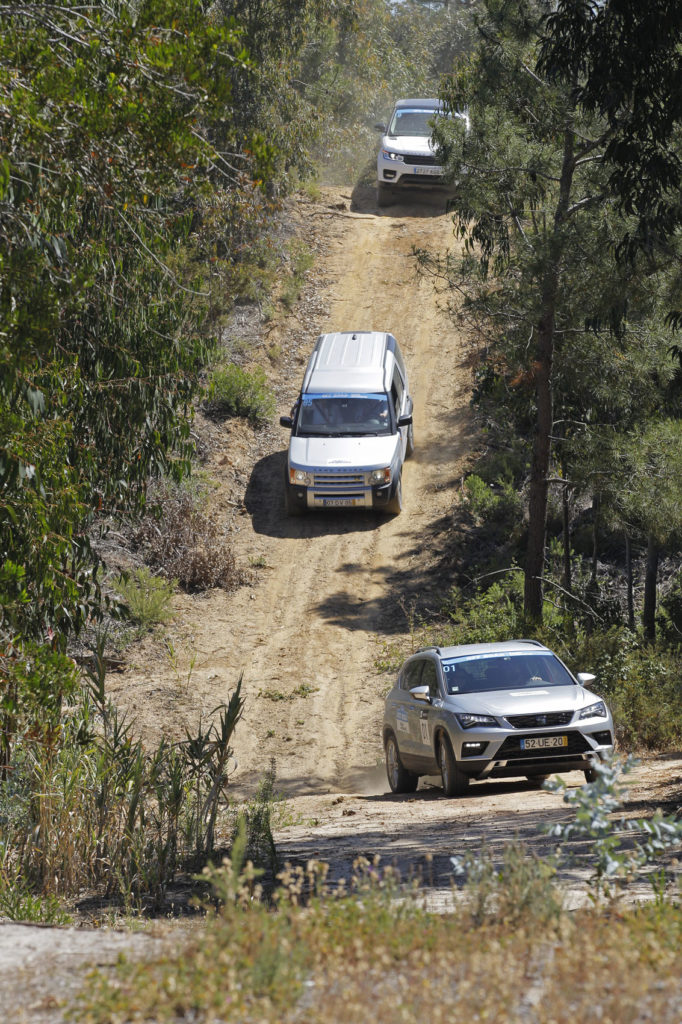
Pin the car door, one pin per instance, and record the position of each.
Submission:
(426, 715)
(407, 709)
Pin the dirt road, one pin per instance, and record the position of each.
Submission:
(330, 589)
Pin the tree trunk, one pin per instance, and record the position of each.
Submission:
(650, 579)
(629, 583)
(544, 355)
(568, 583)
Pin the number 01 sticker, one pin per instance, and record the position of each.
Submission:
(425, 730)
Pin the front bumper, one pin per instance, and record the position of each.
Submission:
(503, 755)
(340, 489)
(411, 171)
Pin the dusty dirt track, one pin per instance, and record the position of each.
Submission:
(328, 593)
(331, 588)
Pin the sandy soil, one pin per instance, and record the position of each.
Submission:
(330, 589)
(328, 594)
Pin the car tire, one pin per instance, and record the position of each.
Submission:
(537, 780)
(590, 775)
(395, 506)
(409, 447)
(454, 781)
(292, 505)
(399, 779)
(385, 196)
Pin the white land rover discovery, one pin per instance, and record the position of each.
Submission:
(406, 158)
(351, 426)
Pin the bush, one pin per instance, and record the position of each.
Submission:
(233, 391)
(497, 503)
(146, 596)
(184, 542)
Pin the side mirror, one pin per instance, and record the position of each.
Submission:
(585, 678)
(404, 421)
(421, 693)
(381, 128)
(286, 421)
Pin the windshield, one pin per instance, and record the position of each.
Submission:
(337, 414)
(408, 121)
(480, 672)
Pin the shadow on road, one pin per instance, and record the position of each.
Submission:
(415, 202)
(264, 501)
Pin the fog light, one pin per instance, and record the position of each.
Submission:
(473, 749)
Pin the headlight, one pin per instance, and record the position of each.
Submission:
(469, 721)
(299, 476)
(380, 476)
(388, 155)
(597, 710)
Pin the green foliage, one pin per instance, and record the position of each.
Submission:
(521, 890)
(147, 597)
(20, 904)
(493, 503)
(234, 391)
(88, 807)
(595, 805)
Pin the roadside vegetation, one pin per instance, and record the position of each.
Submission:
(146, 152)
(507, 949)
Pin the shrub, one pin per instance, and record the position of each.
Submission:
(233, 391)
(187, 544)
(147, 597)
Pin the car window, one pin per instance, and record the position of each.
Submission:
(411, 675)
(430, 677)
(409, 121)
(397, 391)
(334, 414)
(509, 671)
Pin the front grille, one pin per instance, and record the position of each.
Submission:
(338, 483)
(419, 161)
(540, 721)
(511, 748)
(421, 179)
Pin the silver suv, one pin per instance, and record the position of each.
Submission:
(406, 157)
(491, 711)
(351, 426)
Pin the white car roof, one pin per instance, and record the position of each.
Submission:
(350, 361)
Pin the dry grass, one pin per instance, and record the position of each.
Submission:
(186, 543)
(369, 957)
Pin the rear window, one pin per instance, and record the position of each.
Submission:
(480, 672)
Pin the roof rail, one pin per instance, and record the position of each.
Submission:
(525, 640)
(432, 648)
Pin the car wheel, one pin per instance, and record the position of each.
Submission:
(590, 775)
(385, 195)
(409, 447)
(537, 780)
(399, 779)
(395, 505)
(292, 505)
(454, 781)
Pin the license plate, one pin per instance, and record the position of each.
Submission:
(542, 742)
(426, 170)
(338, 502)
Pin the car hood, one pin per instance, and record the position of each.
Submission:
(410, 145)
(343, 454)
(502, 703)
